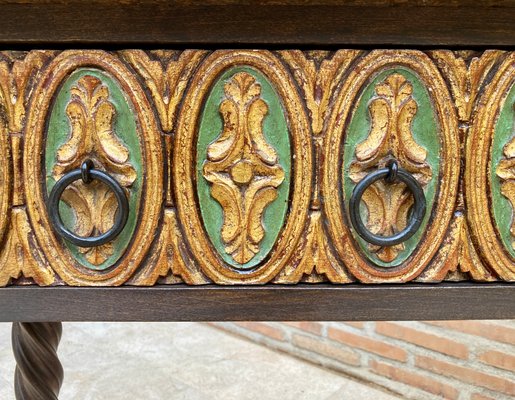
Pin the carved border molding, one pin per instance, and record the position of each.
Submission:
(318, 91)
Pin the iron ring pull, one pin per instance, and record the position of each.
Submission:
(391, 174)
(88, 173)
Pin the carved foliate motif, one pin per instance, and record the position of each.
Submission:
(91, 116)
(390, 137)
(243, 168)
(308, 125)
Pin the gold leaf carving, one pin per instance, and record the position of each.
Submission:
(20, 255)
(391, 111)
(15, 75)
(17, 72)
(171, 257)
(506, 172)
(91, 116)
(318, 76)
(243, 168)
(166, 83)
(466, 74)
(460, 256)
(316, 259)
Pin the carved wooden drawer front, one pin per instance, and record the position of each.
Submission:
(244, 166)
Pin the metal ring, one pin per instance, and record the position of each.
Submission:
(121, 216)
(415, 219)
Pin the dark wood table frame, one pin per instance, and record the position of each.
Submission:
(157, 24)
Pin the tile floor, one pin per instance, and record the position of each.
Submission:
(181, 361)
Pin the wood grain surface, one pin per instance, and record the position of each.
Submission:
(236, 24)
(267, 303)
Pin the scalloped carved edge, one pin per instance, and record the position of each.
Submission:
(313, 246)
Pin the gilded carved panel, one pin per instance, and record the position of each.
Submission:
(251, 166)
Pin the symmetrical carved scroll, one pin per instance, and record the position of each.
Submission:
(91, 115)
(290, 133)
(390, 137)
(318, 82)
(166, 77)
(242, 167)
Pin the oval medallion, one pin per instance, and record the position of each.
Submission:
(393, 120)
(92, 119)
(490, 172)
(89, 107)
(243, 166)
(394, 105)
(234, 140)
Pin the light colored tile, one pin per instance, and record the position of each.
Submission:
(179, 361)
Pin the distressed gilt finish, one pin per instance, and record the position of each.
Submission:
(183, 174)
(58, 256)
(93, 136)
(392, 111)
(373, 63)
(318, 92)
(477, 180)
(242, 168)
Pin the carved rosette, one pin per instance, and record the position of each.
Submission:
(391, 110)
(93, 118)
(390, 138)
(490, 173)
(242, 168)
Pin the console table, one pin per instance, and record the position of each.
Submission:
(233, 160)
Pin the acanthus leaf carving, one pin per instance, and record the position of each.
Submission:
(17, 72)
(461, 256)
(466, 73)
(15, 75)
(318, 75)
(91, 116)
(170, 261)
(390, 137)
(243, 168)
(316, 260)
(20, 256)
(166, 80)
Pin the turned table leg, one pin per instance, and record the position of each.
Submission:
(39, 373)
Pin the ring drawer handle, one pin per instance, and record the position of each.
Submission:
(391, 174)
(88, 173)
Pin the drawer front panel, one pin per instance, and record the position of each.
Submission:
(242, 166)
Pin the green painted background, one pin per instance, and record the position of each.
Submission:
(504, 132)
(125, 126)
(426, 133)
(275, 129)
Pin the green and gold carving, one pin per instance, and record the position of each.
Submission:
(503, 179)
(400, 126)
(239, 164)
(243, 168)
(97, 118)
